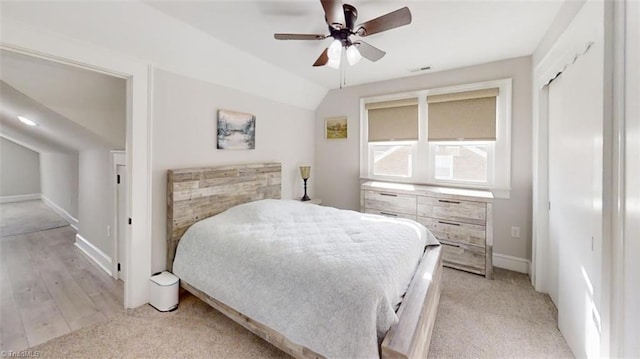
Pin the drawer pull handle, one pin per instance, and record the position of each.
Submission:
(389, 194)
(388, 214)
(451, 245)
(447, 201)
(449, 223)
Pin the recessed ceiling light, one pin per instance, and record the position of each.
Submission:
(27, 121)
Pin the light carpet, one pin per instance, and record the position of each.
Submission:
(27, 217)
(477, 318)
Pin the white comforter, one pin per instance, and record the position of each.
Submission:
(325, 278)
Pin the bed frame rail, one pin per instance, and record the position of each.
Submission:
(411, 336)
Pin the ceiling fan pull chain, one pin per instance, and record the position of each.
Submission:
(344, 75)
(343, 70)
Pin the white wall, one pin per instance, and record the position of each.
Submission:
(95, 198)
(184, 135)
(337, 161)
(19, 169)
(59, 180)
(632, 201)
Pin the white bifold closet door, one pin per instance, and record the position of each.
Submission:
(575, 193)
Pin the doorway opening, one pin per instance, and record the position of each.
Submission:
(75, 118)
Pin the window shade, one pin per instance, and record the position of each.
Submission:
(463, 116)
(393, 120)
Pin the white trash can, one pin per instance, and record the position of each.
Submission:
(163, 291)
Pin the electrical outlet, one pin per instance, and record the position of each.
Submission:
(108, 231)
(515, 232)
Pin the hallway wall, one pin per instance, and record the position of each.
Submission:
(19, 169)
(59, 180)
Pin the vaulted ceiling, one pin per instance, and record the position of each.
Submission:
(444, 34)
(75, 109)
(54, 132)
(231, 43)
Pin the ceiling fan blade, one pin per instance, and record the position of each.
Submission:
(386, 22)
(322, 59)
(369, 52)
(299, 36)
(334, 13)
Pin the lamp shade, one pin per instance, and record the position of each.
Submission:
(305, 172)
(334, 64)
(353, 55)
(335, 50)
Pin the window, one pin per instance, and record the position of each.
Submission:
(458, 136)
(392, 160)
(444, 166)
(463, 162)
(392, 131)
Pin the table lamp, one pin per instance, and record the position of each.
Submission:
(305, 172)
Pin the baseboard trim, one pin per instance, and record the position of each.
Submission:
(515, 264)
(20, 198)
(73, 222)
(94, 253)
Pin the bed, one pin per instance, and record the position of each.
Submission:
(199, 193)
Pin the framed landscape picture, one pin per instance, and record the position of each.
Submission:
(236, 130)
(336, 128)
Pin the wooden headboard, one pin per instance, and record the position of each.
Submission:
(197, 193)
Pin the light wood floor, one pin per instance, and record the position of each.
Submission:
(49, 288)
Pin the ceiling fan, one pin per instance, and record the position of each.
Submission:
(341, 19)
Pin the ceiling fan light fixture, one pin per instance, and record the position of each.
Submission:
(334, 63)
(353, 55)
(335, 50)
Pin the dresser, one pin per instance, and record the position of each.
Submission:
(461, 219)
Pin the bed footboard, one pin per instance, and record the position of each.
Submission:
(411, 336)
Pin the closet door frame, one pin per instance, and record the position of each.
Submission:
(561, 53)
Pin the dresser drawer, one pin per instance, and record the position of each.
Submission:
(390, 213)
(457, 232)
(454, 210)
(390, 202)
(465, 257)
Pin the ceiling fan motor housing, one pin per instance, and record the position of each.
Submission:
(350, 16)
(342, 34)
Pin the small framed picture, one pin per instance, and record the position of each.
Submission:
(336, 128)
(236, 130)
